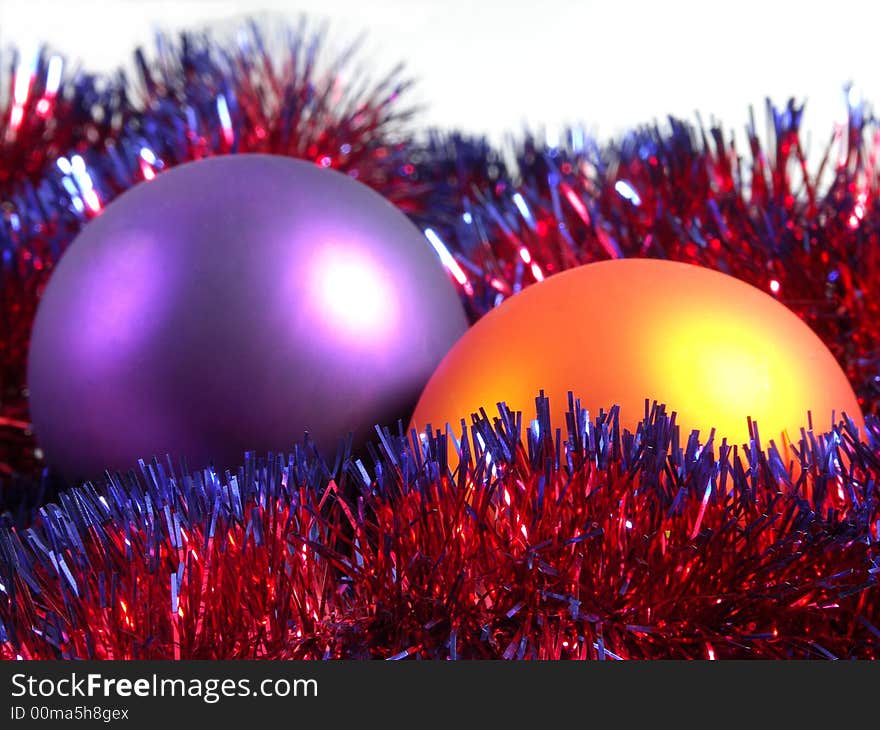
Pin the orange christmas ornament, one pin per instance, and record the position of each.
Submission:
(711, 347)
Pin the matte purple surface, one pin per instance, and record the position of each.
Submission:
(232, 304)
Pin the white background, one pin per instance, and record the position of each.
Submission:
(491, 66)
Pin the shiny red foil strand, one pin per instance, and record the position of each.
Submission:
(628, 546)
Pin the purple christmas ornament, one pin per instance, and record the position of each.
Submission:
(232, 304)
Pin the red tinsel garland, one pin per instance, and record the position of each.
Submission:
(619, 547)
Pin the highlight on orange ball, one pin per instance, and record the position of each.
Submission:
(713, 348)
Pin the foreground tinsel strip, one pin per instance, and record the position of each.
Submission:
(601, 545)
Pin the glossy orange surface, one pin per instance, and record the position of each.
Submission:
(713, 348)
